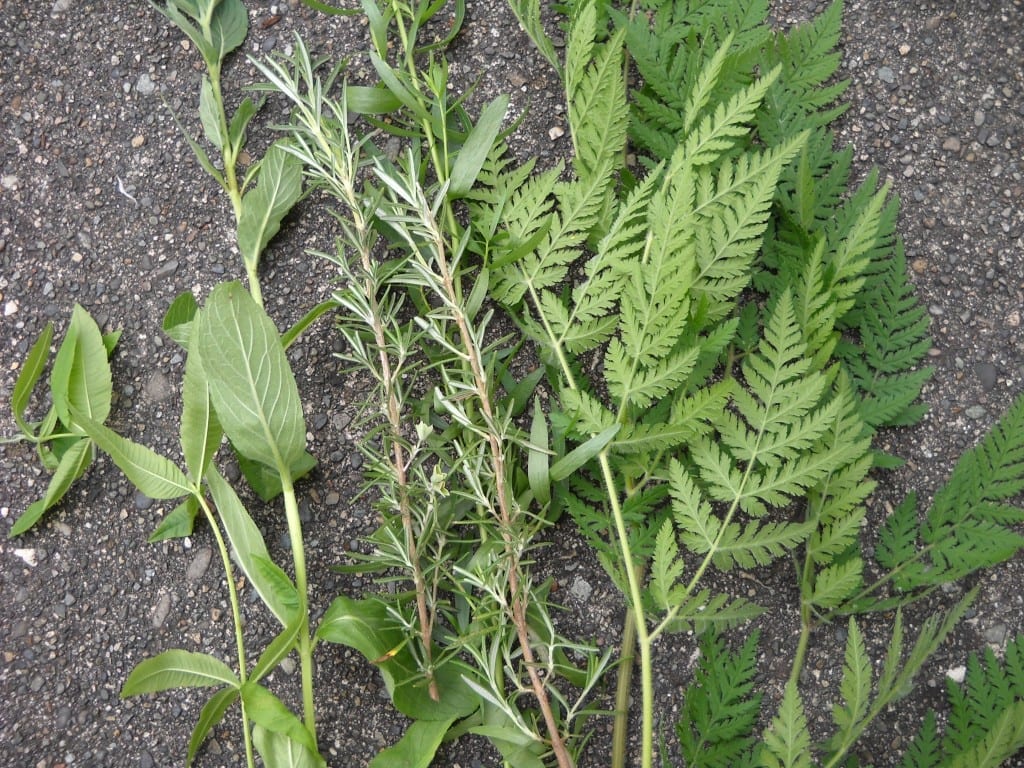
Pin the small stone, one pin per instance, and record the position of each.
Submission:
(332, 499)
(886, 75)
(10, 308)
(979, 117)
(28, 556)
(996, 634)
(145, 85)
(581, 589)
(287, 665)
(199, 564)
(160, 611)
(976, 412)
(60, 6)
(904, 49)
(138, 141)
(9, 182)
(919, 266)
(987, 375)
(556, 132)
(952, 144)
(957, 674)
(1013, 319)
(142, 501)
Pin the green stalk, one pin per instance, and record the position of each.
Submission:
(627, 654)
(236, 616)
(291, 509)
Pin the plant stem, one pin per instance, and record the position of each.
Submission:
(291, 509)
(236, 616)
(627, 654)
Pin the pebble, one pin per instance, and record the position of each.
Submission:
(976, 412)
(581, 589)
(979, 117)
(987, 374)
(952, 144)
(996, 634)
(142, 501)
(556, 132)
(332, 499)
(145, 85)
(886, 75)
(138, 141)
(60, 6)
(160, 611)
(199, 564)
(957, 674)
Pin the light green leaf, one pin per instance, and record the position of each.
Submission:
(240, 121)
(201, 433)
(28, 377)
(268, 711)
(581, 454)
(153, 474)
(178, 523)
(72, 466)
(60, 373)
(278, 751)
(228, 27)
(178, 669)
(90, 387)
(856, 684)
(247, 543)
(264, 208)
(252, 386)
(537, 460)
(364, 100)
(278, 649)
(209, 114)
(266, 481)
(416, 748)
(210, 716)
(478, 146)
(787, 742)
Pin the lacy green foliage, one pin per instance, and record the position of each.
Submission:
(968, 526)
(986, 721)
(720, 706)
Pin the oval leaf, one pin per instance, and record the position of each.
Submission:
(251, 385)
(279, 751)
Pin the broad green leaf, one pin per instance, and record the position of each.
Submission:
(264, 208)
(90, 387)
(209, 114)
(228, 27)
(178, 669)
(73, 464)
(268, 711)
(178, 318)
(364, 100)
(252, 386)
(265, 480)
(278, 751)
(28, 377)
(581, 454)
(416, 748)
(477, 148)
(153, 474)
(277, 581)
(210, 717)
(247, 542)
(537, 460)
(200, 431)
(177, 523)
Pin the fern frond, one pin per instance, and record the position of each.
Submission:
(720, 708)
(527, 12)
(837, 582)
(787, 741)
(924, 750)
(855, 687)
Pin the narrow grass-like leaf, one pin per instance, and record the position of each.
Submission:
(28, 377)
(537, 460)
(264, 208)
(478, 146)
(247, 543)
(72, 465)
(252, 386)
(156, 476)
(364, 100)
(178, 669)
(268, 711)
(416, 748)
(581, 454)
(209, 717)
(278, 649)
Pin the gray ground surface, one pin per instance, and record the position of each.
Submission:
(101, 203)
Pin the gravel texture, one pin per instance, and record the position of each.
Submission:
(101, 203)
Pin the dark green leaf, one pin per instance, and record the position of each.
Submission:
(178, 318)
(240, 121)
(477, 148)
(228, 27)
(178, 523)
(73, 464)
(264, 208)
(364, 100)
(201, 433)
(416, 748)
(209, 114)
(210, 716)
